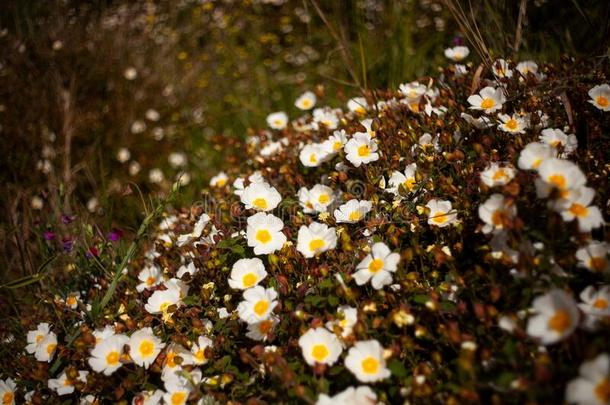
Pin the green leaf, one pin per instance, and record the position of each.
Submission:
(397, 368)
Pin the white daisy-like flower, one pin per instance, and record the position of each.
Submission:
(347, 317)
(103, 334)
(35, 337)
(361, 149)
(198, 356)
(171, 364)
(555, 317)
(106, 355)
(277, 120)
(264, 233)
(495, 212)
(123, 155)
(578, 205)
(528, 67)
(220, 180)
(261, 197)
(595, 305)
(441, 213)
(557, 138)
(187, 269)
(320, 346)
(160, 301)
(362, 395)
(271, 149)
(305, 201)
(334, 144)
(315, 239)
(64, 385)
(353, 211)
(500, 68)
(534, 154)
(514, 124)
(325, 117)
(592, 386)
(561, 174)
(357, 105)
(480, 123)
(365, 360)
(150, 277)
(7, 391)
(46, 348)
(260, 330)
(412, 91)
(457, 53)
(593, 257)
(489, 100)
(377, 267)
(257, 305)
(600, 97)
(144, 347)
(156, 176)
(497, 175)
(247, 273)
(405, 179)
(306, 101)
(177, 159)
(313, 155)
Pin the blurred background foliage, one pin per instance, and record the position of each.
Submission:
(78, 81)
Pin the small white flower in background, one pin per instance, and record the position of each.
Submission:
(72, 300)
(595, 305)
(134, 168)
(365, 360)
(198, 350)
(63, 385)
(152, 115)
(413, 91)
(247, 273)
(158, 133)
(362, 395)
(561, 174)
(353, 211)
(123, 155)
(528, 67)
(377, 267)
(198, 228)
(489, 100)
(496, 175)
(170, 365)
(313, 155)
(102, 334)
(315, 239)
(514, 124)
(36, 203)
(405, 179)
(321, 197)
(457, 53)
(555, 317)
(261, 197)
(557, 138)
(594, 256)
(106, 355)
(130, 73)
(271, 149)
(441, 213)
(357, 105)
(220, 180)
(305, 201)
(47, 347)
(361, 149)
(35, 337)
(257, 305)
(318, 345)
(144, 347)
(187, 269)
(260, 330)
(501, 69)
(93, 204)
(7, 391)
(277, 120)
(306, 101)
(177, 159)
(335, 142)
(592, 386)
(325, 117)
(345, 320)
(156, 176)
(495, 212)
(600, 97)
(480, 123)
(534, 154)
(577, 205)
(138, 126)
(264, 233)
(161, 300)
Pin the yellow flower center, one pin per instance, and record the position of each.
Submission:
(324, 198)
(600, 303)
(319, 352)
(560, 321)
(500, 174)
(602, 390)
(221, 182)
(597, 263)
(71, 300)
(150, 281)
(39, 338)
(7, 398)
(178, 398)
(249, 280)
(278, 123)
(263, 236)
(414, 107)
(355, 215)
(146, 348)
(163, 307)
(261, 307)
(558, 180)
(316, 244)
(408, 184)
(313, 158)
(265, 326)
(112, 358)
(512, 124)
(375, 265)
(337, 145)
(170, 359)
(200, 355)
(306, 103)
(579, 210)
(439, 217)
(498, 218)
(370, 365)
(487, 103)
(260, 203)
(602, 101)
(364, 150)
(536, 163)
(51, 348)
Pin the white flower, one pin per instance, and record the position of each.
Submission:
(315, 239)
(150, 276)
(496, 175)
(320, 346)
(496, 212)
(144, 347)
(138, 126)
(198, 356)
(134, 168)
(187, 269)
(406, 179)
(161, 300)
(260, 330)
(361, 149)
(556, 317)
(277, 120)
(257, 305)
(514, 124)
(593, 257)
(106, 355)
(561, 174)
(247, 273)
(326, 117)
(170, 364)
(600, 97)
(347, 318)
(320, 197)
(35, 337)
(313, 155)
(123, 155)
(377, 267)
(220, 180)
(198, 228)
(46, 348)
(500, 68)
(577, 205)
(413, 91)
(353, 211)
(526, 67)
(264, 233)
(63, 385)
(457, 53)
(261, 197)
(156, 176)
(557, 138)
(152, 115)
(365, 360)
(362, 395)
(489, 100)
(7, 391)
(306, 101)
(357, 105)
(534, 154)
(130, 73)
(595, 305)
(480, 123)
(368, 125)
(103, 334)
(148, 398)
(441, 213)
(271, 149)
(335, 142)
(177, 159)
(592, 387)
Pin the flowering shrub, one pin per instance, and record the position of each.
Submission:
(440, 242)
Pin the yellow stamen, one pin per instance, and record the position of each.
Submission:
(561, 321)
(316, 244)
(261, 307)
(319, 352)
(112, 358)
(146, 348)
(364, 150)
(375, 265)
(260, 203)
(249, 280)
(487, 103)
(370, 365)
(263, 236)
